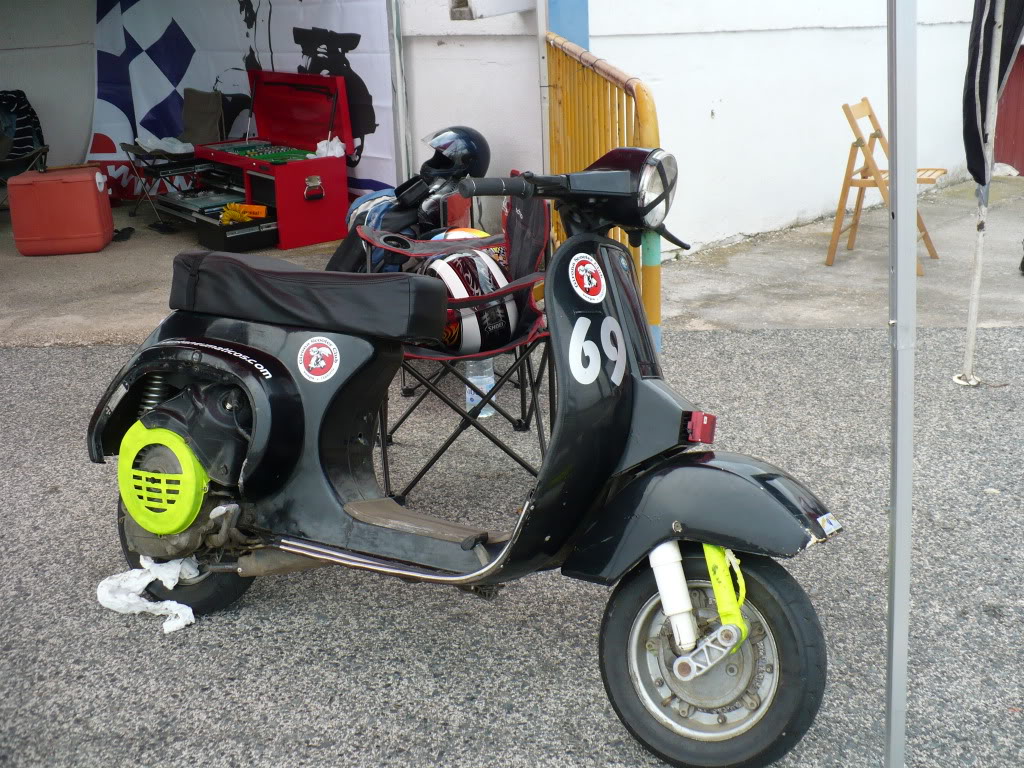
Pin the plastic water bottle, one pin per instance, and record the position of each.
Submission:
(481, 372)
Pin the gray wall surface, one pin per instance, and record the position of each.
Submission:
(47, 50)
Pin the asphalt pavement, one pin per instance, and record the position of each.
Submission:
(340, 668)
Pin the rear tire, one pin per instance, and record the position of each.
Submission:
(750, 709)
(211, 592)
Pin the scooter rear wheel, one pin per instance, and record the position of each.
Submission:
(748, 710)
(208, 593)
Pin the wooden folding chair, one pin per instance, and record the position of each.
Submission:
(870, 175)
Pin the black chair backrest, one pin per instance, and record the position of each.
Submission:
(527, 225)
(202, 117)
(527, 229)
(21, 123)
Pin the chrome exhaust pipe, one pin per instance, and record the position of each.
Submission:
(272, 562)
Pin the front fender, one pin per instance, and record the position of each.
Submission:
(727, 499)
(277, 411)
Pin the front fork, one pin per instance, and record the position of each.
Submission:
(667, 563)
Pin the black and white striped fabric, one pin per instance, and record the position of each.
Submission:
(18, 121)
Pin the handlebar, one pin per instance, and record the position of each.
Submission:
(498, 187)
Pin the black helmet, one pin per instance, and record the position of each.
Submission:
(458, 151)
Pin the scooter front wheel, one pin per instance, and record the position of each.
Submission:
(749, 709)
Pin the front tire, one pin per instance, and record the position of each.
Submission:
(208, 593)
(747, 711)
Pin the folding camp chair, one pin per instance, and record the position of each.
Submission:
(870, 175)
(202, 117)
(22, 146)
(526, 226)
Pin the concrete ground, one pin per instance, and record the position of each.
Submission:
(778, 279)
(335, 667)
(115, 295)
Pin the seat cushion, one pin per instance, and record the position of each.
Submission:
(396, 306)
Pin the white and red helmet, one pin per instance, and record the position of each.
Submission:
(475, 329)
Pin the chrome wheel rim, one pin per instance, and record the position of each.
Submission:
(729, 699)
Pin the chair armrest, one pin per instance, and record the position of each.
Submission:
(421, 249)
(516, 285)
(38, 157)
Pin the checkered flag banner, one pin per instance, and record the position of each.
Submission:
(149, 51)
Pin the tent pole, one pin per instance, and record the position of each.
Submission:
(967, 377)
(902, 50)
(545, 109)
(399, 93)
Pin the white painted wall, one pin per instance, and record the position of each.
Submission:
(47, 51)
(482, 73)
(749, 98)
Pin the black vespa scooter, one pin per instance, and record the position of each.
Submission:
(245, 425)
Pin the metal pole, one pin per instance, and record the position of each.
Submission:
(651, 281)
(902, 48)
(542, 52)
(967, 377)
(650, 249)
(399, 95)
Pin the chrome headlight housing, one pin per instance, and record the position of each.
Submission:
(638, 192)
(657, 187)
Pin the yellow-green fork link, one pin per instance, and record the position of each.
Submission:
(728, 598)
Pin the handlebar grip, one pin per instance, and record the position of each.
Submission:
(512, 185)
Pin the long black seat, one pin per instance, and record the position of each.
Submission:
(396, 306)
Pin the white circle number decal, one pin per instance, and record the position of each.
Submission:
(579, 348)
(610, 329)
(587, 279)
(319, 359)
(585, 357)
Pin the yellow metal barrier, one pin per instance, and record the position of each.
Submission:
(593, 108)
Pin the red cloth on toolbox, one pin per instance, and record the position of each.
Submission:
(64, 210)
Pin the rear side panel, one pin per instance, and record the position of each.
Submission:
(201, 347)
(312, 435)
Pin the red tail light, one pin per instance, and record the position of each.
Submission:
(700, 427)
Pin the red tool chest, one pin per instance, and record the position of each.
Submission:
(64, 210)
(293, 111)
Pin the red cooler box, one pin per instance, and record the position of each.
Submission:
(60, 211)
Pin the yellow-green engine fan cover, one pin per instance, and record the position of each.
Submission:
(162, 503)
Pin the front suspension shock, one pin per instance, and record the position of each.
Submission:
(667, 564)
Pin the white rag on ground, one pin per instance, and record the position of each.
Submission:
(122, 592)
(333, 148)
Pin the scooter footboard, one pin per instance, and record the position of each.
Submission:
(726, 499)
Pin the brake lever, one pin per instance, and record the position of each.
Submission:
(672, 238)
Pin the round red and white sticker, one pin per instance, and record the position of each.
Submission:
(587, 278)
(319, 359)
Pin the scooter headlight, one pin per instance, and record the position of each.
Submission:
(637, 190)
(657, 187)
